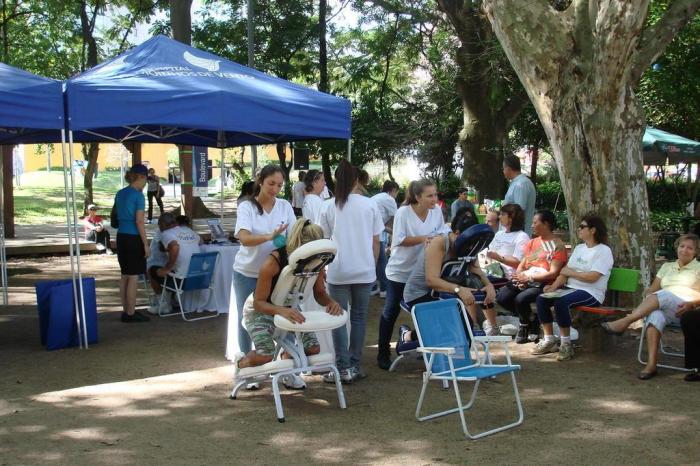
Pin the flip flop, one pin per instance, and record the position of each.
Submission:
(646, 375)
(606, 327)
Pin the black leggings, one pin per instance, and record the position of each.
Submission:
(518, 301)
(151, 195)
(690, 323)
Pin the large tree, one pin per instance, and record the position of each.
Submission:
(580, 62)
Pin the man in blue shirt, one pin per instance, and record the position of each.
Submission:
(460, 203)
(521, 190)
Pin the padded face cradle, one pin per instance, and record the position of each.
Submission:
(473, 240)
(311, 257)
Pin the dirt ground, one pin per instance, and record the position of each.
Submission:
(158, 393)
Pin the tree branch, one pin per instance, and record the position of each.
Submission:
(655, 38)
(583, 31)
(508, 113)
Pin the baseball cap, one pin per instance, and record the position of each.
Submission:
(139, 169)
(92, 207)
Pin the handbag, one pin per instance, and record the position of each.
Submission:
(113, 217)
(161, 191)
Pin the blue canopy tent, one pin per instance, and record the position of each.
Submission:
(166, 91)
(32, 111)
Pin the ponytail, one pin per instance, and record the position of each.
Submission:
(415, 189)
(345, 180)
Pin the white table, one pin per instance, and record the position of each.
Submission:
(218, 298)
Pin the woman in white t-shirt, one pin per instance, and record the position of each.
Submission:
(261, 226)
(585, 278)
(354, 223)
(415, 223)
(506, 248)
(314, 182)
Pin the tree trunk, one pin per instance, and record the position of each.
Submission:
(388, 167)
(286, 168)
(534, 157)
(323, 84)
(8, 199)
(135, 149)
(579, 68)
(484, 127)
(90, 154)
(181, 20)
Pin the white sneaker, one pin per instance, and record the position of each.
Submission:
(164, 307)
(253, 386)
(345, 376)
(100, 246)
(293, 382)
(545, 347)
(492, 331)
(374, 291)
(153, 309)
(382, 294)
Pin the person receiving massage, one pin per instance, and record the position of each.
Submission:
(674, 292)
(259, 313)
(426, 276)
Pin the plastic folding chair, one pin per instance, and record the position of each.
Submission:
(294, 283)
(199, 276)
(446, 341)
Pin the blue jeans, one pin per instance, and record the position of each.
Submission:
(356, 296)
(562, 307)
(381, 266)
(243, 287)
(394, 295)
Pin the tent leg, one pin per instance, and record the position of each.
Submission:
(349, 150)
(221, 178)
(77, 243)
(70, 233)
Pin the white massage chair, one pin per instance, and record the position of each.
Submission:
(294, 286)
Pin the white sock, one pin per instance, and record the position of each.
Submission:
(565, 340)
(549, 339)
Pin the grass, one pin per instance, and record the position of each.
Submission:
(40, 199)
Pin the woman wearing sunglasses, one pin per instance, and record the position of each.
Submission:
(582, 283)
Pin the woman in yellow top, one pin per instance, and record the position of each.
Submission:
(675, 291)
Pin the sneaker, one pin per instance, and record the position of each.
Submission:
(374, 291)
(566, 352)
(345, 376)
(109, 252)
(164, 307)
(521, 336)
(382, 294)
(384, 359)
(153, 310)
(357, 373)
(492, 331)
(533, 334)
(100, 247)
(293, 382)
(253, 386)
(545, 347)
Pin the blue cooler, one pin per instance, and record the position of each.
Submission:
(59, 328)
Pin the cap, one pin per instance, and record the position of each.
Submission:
(92, 207)
(139, 169)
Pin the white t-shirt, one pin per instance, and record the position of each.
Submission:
(387, 206)
(312, 207)
(188, 241)
(599, 258)
(509, 244)
(353, 229)
(250, 258)
(407, 223)
(157, 258)
(298, 194)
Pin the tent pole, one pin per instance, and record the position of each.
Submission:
(221, 178)
(70, 234)
(3, 256)
(349, 150)
(77, 241)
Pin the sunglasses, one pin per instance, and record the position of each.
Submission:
(582, 226)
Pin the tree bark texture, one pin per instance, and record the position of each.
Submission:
(90, 153)
(323, 85)
(91, 150)
(181, 20)
(579, 68)
(484, 127)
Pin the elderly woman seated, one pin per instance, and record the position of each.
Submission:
(674, 292)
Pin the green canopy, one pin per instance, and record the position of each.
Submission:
(659, 146)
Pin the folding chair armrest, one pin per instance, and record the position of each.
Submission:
(496, 339)
(436, 350)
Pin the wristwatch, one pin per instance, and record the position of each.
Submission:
(457, 289)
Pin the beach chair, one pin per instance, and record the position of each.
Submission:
(446, 342)
(199, 277)
(663, 349)
(295, 282)
(467, 246)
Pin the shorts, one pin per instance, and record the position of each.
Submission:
(261, 328)
(131, 254)
(666, 314)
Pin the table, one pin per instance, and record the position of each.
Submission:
(216, 299)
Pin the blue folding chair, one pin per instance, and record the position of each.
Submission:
(199, 276)
(446, 338)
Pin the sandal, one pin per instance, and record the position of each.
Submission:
(606, 327)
